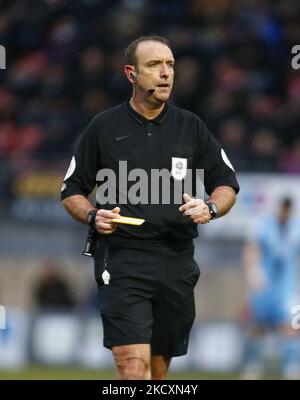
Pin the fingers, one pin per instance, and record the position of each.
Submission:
(196, 209)
(116, 211)
(105, 228)
(108, 231)
(193, 206)
(108, 213)
(107, 224)
(189, 202)
(103, 220)
(187, 197)
(106, 220)
(188, 205)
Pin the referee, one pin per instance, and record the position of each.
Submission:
(146, 274)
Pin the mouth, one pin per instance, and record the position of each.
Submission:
(163, 85)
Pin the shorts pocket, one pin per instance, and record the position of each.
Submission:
(197, 272)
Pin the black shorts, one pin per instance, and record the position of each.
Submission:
(150, 297)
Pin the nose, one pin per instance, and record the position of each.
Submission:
(164, 72)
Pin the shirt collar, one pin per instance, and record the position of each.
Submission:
(140, 118)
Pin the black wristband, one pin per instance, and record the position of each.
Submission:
(91, 218)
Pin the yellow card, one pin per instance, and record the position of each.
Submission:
(129, 220)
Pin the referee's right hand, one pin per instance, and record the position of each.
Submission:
(103, 220)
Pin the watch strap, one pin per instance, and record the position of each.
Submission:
(91, 218)
(213, 209)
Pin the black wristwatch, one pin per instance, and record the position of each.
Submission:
(213, 209)
(91, 218)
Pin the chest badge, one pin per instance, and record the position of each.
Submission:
(179, 168)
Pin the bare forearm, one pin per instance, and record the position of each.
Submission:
(224, 197)
(78, 207)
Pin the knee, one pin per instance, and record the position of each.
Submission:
(158, 374)
(132, 368)
(133, 361)
(159, 367)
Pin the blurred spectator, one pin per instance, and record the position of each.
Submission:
(228, 76)
(290, 160)
(265, 150)
(220, 106)
(233, 61)
(51, 291)
(188, 77)
(233, 136)
(92, 74)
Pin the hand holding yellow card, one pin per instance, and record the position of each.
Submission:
(129, 221)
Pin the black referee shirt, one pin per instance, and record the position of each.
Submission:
(121, 134)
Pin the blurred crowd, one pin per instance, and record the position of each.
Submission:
(53, 290)
(233, 68)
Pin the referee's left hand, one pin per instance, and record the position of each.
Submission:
(196, 209)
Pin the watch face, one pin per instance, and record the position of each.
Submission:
(214, 208)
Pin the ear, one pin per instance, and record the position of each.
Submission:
(130, 73)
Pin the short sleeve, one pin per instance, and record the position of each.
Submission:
(218, 170)
(81, 175)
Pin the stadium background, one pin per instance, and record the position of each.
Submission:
(63, 65)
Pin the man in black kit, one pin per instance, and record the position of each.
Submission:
(146, 274)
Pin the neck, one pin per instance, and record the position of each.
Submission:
(148, 111)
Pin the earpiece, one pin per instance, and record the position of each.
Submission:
(133, 76)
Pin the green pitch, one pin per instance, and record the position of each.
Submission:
(38, 372)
